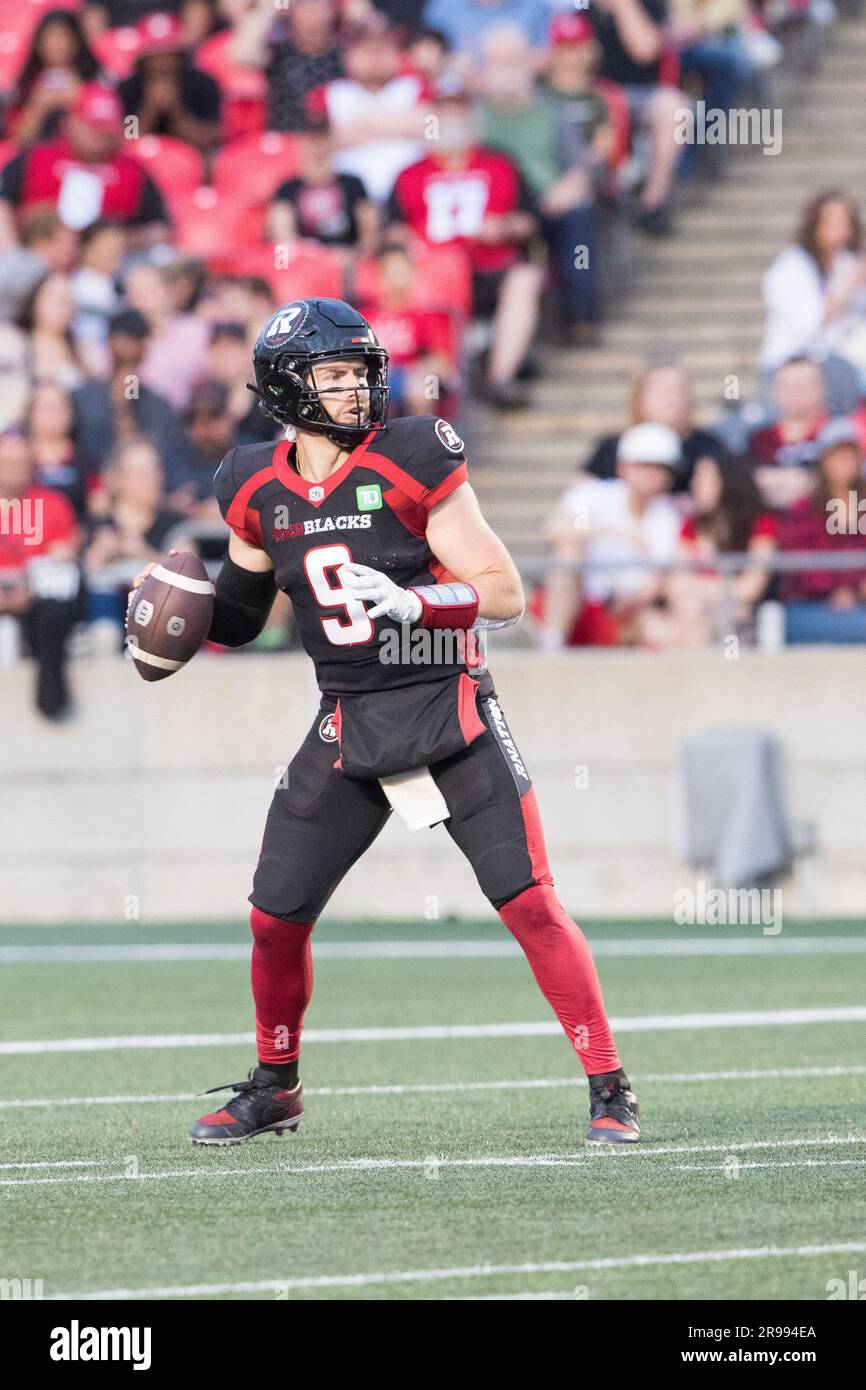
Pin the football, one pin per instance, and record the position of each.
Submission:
(169, 615)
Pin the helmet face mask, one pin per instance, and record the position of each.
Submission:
(307, 334)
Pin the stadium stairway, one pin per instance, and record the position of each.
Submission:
(695, 298)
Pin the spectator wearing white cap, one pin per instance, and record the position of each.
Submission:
(662, 395)
(602, 524)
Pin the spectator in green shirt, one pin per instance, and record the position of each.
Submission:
(549, 147)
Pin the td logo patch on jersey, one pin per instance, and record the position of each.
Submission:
(447, 435)
(368, 497)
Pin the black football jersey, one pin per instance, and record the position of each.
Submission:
(372, 510)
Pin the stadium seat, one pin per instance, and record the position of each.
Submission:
(8, 149)
(210, 224)
(243, 88)
(255, 165)
(620, 121)
(313, 269)
(117, 50)
(173, 165)
(441, 280)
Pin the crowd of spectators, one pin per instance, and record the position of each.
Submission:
(676, 498)
(170, 170)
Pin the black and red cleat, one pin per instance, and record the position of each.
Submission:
(261, 1106)
(614, 1117)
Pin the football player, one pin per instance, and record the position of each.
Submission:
(372, 529)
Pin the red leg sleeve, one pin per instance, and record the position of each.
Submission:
(561, 961)
(282, 981)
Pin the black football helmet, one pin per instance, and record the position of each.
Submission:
(300, 336)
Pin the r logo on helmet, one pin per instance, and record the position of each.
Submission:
(287, 322)
(447, 435)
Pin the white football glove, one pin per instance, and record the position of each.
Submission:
(389, 600)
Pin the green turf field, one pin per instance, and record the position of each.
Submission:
(437, 1166)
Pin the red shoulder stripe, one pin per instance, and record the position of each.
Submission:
(240, 517)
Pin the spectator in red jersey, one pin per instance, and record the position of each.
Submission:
(59, 61)
(298, 51)
(166, 91)
(421, 371)
(466, 195)
(728, 518)
(631, 34)
(376, 112)
(322, 205)
(45, 244)
(46, 318)
(49, 426)
(785, 454)
(39, 579)
(84, 174)
(828, 605)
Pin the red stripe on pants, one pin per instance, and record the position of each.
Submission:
(562, 963)
(281, 972)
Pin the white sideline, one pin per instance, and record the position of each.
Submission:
(644, 1023)
(578, 1159)
(431, 950)
(445, 1087)
(425, 1276)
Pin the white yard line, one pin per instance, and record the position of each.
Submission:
(428, 1276)
(57, 1163)
(786, 1163)
(447, 1087)
(645, 1023)
(457, 949)
(578, 1159)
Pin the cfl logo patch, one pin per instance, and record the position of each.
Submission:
(328, 729)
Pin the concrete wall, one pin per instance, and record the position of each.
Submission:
(153, 799)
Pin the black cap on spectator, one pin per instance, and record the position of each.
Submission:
(208, 397)
(228, 329)
(130, 323)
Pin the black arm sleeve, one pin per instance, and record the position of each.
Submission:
(242, 602)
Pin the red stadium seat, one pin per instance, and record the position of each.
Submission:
(174, 166)
(312, 270)
(620, 120)
(255, 165)
(441, 279)
(8, 150)
(215, 225)
(13, 50)
(116, 51)
(243, 88)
